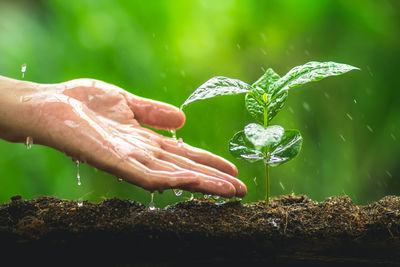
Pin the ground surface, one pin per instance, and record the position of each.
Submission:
(291, 230)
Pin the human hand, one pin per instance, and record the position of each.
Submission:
(99, 124)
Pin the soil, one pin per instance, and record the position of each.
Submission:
(291, 230)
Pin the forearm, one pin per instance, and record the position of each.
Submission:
(17, 114)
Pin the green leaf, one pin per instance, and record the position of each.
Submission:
(241, 148)
(217, 86)
(254, 107)
(288, 148)
(254, 99)
(268, 78)
(311, 71)
(262, 137)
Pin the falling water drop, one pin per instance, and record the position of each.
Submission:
(78, 176)
(370, 128)
(23, 69)
(180, 142)
(173, 133)
(177, 192)
(29, 142)
(349, 116)
(280, 183)
(151, 204)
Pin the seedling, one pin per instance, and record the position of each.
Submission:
(264, 99)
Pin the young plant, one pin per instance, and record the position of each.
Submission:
(264, 99)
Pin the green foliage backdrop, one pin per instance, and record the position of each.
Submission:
(165, 49)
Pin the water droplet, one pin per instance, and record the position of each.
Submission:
(349, 116)
(119, 179)
(370, 129)
(151, 204)
(23, 69)
(238, 46)
(177, 192)
(255, 180)
(327, 95)
(205, 196)
(79, 203)
(191, 196)
(393, 136)
(215, 197)
(29, 142)
(173, 133)
(24, 99)
(355, 101)
(306, 106)
(180, 142)
(280, 183)
(342, 137)
(389, 174)
(78, 176)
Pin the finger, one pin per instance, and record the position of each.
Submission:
(155, 114)
(188, 164)
(136, 173)
(199, 156)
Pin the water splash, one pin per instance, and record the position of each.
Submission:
(151, 204)
(23, 69)
(78, 176)
(29, 142)
(177, 192)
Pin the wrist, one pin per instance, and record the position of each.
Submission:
(18, 112)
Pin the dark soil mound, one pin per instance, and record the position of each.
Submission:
(291, 230)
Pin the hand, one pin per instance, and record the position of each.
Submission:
(99, 124)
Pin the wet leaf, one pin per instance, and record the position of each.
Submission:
(288, 148)
(217, 86)
(262, 137)
(241, 148)
(268, 78)
(311, 71)
(254, 107)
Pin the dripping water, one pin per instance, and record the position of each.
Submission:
(29, 142)
(78, 176)
(151, 204)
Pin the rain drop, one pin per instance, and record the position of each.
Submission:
(173, 133)
(393, 136)
(349, 116)
(255, 180)
(23, 69)
(180, 142)
(342, 137)
(151, 204)
(355, 101)
(306, 106)
(29, 142)
(177, 192)
(327, 95)
(280, 183)
(370, 129)
(238, 46)
(78, 176)
(389, 174)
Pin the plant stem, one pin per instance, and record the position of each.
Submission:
(267, 183)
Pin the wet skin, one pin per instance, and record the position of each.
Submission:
(100, 124)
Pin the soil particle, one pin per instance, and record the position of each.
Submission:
(291, 230)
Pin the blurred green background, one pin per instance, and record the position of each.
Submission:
(165, 49)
